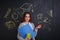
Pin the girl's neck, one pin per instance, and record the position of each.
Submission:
(26, 22)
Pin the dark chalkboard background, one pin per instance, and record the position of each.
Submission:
(45, 12)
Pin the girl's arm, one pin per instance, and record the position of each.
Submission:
(19, 37)
(36, 28)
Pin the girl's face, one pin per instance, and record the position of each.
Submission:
(27, 18)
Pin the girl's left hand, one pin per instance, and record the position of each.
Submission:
(39, 26)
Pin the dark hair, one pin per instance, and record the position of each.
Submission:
(23, 18)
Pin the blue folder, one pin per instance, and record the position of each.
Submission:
(25, 30)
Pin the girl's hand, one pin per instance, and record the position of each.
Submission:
(27, 39)
(39, 26)
(27, 36)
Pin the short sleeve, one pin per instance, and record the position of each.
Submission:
(20, 25)
(33, 26)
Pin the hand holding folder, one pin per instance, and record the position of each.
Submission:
(24, 30)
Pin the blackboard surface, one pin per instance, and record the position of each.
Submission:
(40, 11)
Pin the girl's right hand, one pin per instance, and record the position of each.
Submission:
(27, 36)
(27, 39)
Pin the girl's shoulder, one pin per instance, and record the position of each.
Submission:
(21, 24)
(31, 23)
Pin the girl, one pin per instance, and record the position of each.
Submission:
(27, 20)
